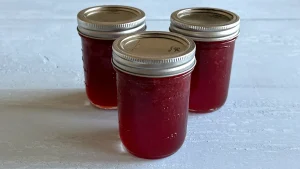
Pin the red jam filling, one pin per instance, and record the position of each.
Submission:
(153, 113)
(100, 76)
(211, 76)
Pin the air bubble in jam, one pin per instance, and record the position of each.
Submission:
(172, 136)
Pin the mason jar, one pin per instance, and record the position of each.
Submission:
(98, 27)
(214, 32)
(153, 83)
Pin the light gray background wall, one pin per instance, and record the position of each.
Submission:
(46, 121)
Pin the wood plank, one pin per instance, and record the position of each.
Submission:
(58, 129)
(267, 56)
(67, 9)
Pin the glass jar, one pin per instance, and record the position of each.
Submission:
(214, 32)
(98, 27)
(153, 82)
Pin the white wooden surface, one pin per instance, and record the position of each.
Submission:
(46, 121)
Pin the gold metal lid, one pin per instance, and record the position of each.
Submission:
(154, 54)
(110, 21)
(205, 24)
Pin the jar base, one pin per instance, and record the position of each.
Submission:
(150, 158)
(203, 111)
(104, 107)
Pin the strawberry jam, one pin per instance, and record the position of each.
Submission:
(100, 77)
(153, 113)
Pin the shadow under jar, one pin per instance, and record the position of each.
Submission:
(214, 32)
(98, 27)
(153, 82)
